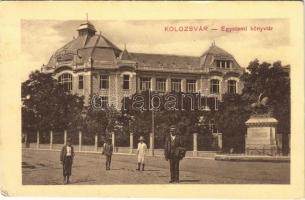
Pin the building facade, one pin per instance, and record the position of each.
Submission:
(92, 65)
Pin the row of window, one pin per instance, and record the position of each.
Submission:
(104, 82)
(224, 64)
(145, 84)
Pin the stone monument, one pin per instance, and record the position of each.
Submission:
(262, 137)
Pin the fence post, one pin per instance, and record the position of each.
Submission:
(80, 141)
(151, 144)
(195, 144)
(37, 144)
(95, 142)
(219, 140)
(113, 141)
(51, 139)
(65, 137)
(26, 140)
(130, 142)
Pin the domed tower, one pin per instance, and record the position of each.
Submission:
(77, 63)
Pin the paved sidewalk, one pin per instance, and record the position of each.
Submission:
(44, 168)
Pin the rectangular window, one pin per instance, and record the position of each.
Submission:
(232, 87)
(145, 84)
(214, 89)
(218, 63)
(228, 64)
(80, 82)
(191, 86)
(161, 84)
(104, 101)
(126, 82)
(212, 127)
(176, 85)
(104, 82)
(223, 64)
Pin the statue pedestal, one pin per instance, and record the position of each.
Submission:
(262, 138)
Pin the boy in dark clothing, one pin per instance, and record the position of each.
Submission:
(107, 151)
(66, 159)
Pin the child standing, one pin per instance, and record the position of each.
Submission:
(107, 151)
(141, 153)
(66, 159)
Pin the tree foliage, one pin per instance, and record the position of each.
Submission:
(271, 80)
(46, 105)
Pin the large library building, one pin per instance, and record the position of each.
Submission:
(91, 64)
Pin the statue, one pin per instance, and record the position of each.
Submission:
(261, 106)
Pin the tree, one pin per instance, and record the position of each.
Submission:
(46, 105)
(274, 82)
(230, 119)
(184, 116)
(101, 121)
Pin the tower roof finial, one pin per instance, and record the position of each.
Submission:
(87, 17)
(124, 46)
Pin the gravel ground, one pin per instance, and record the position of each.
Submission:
(41, 167)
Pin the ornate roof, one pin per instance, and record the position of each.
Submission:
(100, 52)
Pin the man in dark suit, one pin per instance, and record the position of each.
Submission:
(172, 147)
(66, 159)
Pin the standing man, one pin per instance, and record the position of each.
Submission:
(107, 151)
(66, 159)
(174, 152)
(141, 151)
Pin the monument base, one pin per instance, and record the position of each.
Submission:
(261, 138)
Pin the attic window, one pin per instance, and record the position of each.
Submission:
(225, 64)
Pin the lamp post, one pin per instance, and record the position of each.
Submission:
(152, 135)
(81, 127)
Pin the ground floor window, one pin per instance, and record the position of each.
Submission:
(191, 86)
(214, 89)
(66, 81)
(232, 87)
(176, 85)
(145, 83)
(161, 84)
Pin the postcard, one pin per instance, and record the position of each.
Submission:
(152, 99)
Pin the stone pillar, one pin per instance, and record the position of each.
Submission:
(130, 142)
(168, 85)
(80, 141)
(219, 141)
(183, 85)
(153, 84)
(95, 142)
(37, 141)
(113, 141)
(151, 144)
(65, 137)
(195, 144)
(26, 140)
(289, 141)
(51, 139)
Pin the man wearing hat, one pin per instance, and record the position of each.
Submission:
(141, 153)
(66, 159)
(172, 151)
(107, 151)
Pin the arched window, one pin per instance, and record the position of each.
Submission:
(232, 87)
(214, 89)
(66, 81)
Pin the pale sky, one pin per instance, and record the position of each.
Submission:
(40, 38)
